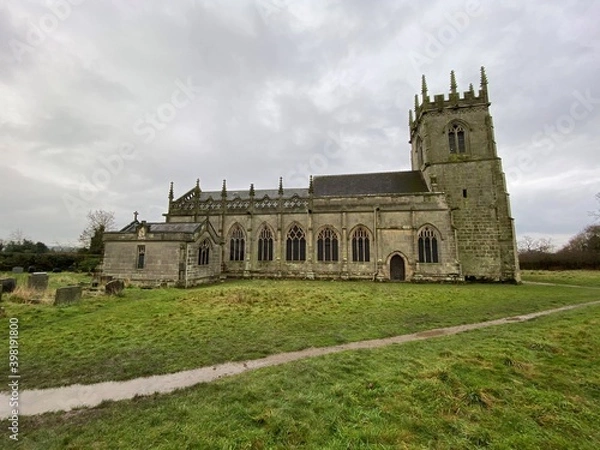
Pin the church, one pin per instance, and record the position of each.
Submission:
(447, 219)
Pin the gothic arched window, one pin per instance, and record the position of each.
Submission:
(265, 244)
(237, 244)
(204, 253)
(361, 249)
(295, 244)
(419, 151)
(428, 246)
(327, 245)
(457, 138)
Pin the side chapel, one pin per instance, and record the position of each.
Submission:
(447, 219)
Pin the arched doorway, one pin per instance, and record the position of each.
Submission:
(397, 270)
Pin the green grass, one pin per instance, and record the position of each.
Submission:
(533, 385)
(148, 332)
(573, 277)
(55, 280)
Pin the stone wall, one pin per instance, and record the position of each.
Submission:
(393, 223)
(161, 261)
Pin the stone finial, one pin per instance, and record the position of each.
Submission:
(135, 216)
(224, 189)
(171, 192)
(423, 87)
(416, 103)
(484, 80)
(471, 89)
(452, 82)
(198, 184)
(251, 189)
(410, 117)
(311, 188)
(280, 190)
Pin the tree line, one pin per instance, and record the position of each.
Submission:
(581, 252)
(18, 251)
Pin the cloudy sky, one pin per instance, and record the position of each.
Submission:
(105, 102)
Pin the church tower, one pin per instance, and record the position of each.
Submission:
(453, 145)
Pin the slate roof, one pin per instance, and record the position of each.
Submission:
(161, 227)
(408, 182)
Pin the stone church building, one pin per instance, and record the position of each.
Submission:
(447, 219)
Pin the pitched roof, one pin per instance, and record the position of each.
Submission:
(162, 227)
(408, 182)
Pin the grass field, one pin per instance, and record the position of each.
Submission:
(573, 277)
(159, 331)
(534, 385)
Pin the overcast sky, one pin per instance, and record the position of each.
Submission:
(105, 102)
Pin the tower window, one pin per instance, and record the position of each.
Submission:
(204, 253)
(265, 244)
(361, 250)
(296, 244)
(237, 244)
(464, 193)
(428, 246)
(419, 151)
(456, 138)
(327, 245)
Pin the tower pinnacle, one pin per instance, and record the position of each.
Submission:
(452, 82)
(484, 80)
(224, 189)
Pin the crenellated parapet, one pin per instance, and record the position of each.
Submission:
(454, 99)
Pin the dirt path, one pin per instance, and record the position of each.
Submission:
(75, 396)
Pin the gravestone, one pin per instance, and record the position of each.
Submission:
(105, 279)
(8, 285)
(17, 269)
(67, 295)
(38, 281)
(114, 287)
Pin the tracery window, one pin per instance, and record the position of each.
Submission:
(327, 245)
(428, 246)
(296, 244)
(265, 244)
(456, 138)
(361, 251)
(204, 253)
(237, 244)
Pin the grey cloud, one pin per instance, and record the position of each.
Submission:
(278, 83)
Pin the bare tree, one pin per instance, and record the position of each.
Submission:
(99, 221)
(17, 237)
(526, 244)
(545, 245)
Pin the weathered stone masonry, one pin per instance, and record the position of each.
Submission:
(447, 219)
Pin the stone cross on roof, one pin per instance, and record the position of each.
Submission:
(135, 216)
